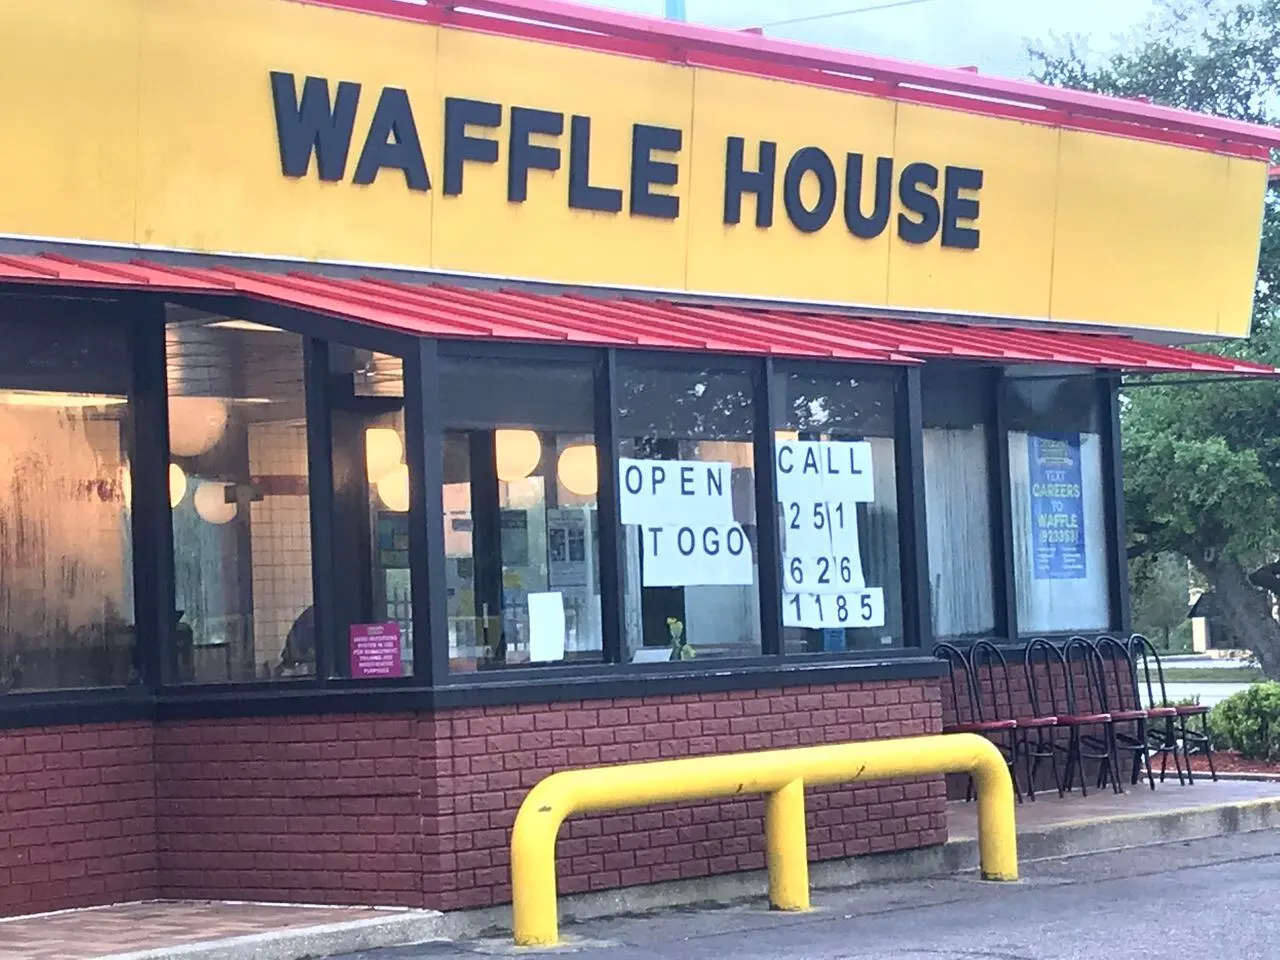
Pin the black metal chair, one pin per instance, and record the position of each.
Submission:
(1122, 701)
(1087, 692)
(968, 710)
(1145, 656)
(989, 663)
(1052, 693)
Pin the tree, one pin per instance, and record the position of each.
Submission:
(1161, 596)
(1202, 462)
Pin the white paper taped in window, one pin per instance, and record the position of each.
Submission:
(824, 471)
(654, 492)
(546, 627)
(696, 555)
(818, 611)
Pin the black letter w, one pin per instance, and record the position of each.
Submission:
(313, 125)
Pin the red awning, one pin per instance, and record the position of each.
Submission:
(454, 312)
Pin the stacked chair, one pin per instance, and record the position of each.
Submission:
(1097, 702)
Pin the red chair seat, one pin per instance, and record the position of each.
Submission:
(1191, 710)
(1129, 715)
(1162, 712)
(981, 726)
(1084, 718)
(1036, 723)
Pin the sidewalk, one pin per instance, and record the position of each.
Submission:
(1047, 828)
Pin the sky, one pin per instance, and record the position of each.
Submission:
(988, 34)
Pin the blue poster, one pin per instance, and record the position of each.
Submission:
(1057, 507)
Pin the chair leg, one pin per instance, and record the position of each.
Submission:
(1208, 746)
(1053, 768)
(1079, 762)
(1144, 739)
(1113, 760)
(1185, 746)
(1028, 766)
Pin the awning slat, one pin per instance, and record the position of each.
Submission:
(478, 313)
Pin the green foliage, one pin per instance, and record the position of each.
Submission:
(1202, 462)
(1249, 722)
(1160, 586)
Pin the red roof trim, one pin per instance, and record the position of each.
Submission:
(451, 312)
(741, 51)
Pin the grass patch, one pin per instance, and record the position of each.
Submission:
(1210, 675)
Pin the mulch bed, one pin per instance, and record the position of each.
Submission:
(1227, 761)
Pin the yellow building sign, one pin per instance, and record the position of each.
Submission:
(274, 128)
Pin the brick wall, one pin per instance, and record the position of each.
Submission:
(416, 810)
(79, 824)
(300, 809)
(485, 759)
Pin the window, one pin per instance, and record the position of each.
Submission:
(240, 499)
(1057, 495)
(687, 488)
(372, 588)
(837, 485)
(521, 534)
(66, 585)
(958, 505)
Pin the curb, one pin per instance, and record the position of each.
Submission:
(958, 855)
(306, 943)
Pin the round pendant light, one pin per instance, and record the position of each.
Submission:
(196, 424)
(393, 488)
(578, 470)
(517, 453)
(210, 501)
(383, 450)
(177, 485)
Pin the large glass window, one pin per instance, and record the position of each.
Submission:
(66, 586)
(521, 534)
(1057, 494)
(372, 590)
(240, 498)
(838, 494)
(687, 487)
(958, 505)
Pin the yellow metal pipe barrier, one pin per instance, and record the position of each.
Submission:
(780, 774)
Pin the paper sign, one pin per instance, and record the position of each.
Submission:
(675, 492)
(828, 470)
(375, 650)
(826, 573)
(1057, 507)
(696, 556)
(815, 527)
(817, 611)
(546, 627)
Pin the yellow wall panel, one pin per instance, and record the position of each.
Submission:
(1010, 272)
(68, 101)
(1135, 228)
(481, 231)
(210, 166)
(1235, 244)
(151, 122)
(781, 261)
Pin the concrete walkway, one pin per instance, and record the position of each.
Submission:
(1048, 828)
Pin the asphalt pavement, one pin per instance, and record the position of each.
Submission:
(1214, 898)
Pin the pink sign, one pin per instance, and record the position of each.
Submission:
(375, 650)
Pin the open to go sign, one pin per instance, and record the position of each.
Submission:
(684, 509)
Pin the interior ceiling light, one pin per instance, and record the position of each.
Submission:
(40, 398)
(243, 325)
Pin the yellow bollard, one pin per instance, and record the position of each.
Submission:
(781, 775)
(787, 843)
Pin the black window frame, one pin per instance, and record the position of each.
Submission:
(142, 316)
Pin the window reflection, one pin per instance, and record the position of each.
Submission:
(521, 533)
(958, 505)
(843, 409)
(685, 593)
(1058, 504)
(372, 602)
(240, 498)
(66, 586)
